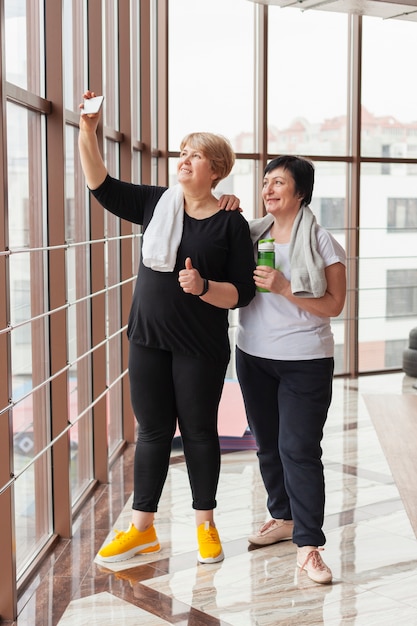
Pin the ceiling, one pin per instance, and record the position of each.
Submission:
(404, 10)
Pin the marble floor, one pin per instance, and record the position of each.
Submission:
(371, 526)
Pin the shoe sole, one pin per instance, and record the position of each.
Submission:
(149, 548)
(210, 559)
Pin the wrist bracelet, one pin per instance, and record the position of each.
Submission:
(205, 288)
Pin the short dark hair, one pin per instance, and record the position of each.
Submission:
(302, 171)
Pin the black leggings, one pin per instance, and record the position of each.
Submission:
(165, 387)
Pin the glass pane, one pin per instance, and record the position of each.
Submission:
(113, 312)
(389, 94)
(135, 60)
(307, 82)
(74, 44)
(110, 64)
(211, 69)
(81, 468)
(114, 324)
(241, 182)
(78, 324)
(136, 167)
(33, 519)
(24, 44)
(136, 229)
(387, 269)
(29, 335)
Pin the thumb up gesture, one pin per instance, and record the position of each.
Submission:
(190, 279)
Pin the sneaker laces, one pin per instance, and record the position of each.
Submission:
(119, 534)
(316, 560)
(210, 535)
(268, 525)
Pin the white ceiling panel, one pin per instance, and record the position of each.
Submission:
(405, 10)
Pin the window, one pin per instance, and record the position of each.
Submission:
(394, 353)
(29, 337)
(221, 99)
(402, 214)
(387, 298)
(389, 98)
(401, 293)
(307, 109)
(330, 213)
(24, 44)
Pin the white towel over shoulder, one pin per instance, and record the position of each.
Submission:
(163, 234)
(308, 279)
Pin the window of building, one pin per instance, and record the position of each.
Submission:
(387, 288)
(330, 213)
(394, 353)
(401, 293)
(402, 214)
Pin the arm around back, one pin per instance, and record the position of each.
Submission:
(239, 289)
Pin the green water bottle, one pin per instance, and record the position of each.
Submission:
(266, 255)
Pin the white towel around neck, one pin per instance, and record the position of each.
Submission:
(163, 235)
(308, 279)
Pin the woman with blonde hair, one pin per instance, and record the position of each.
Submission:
(196, 263)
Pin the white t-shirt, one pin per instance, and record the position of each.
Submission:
(272, 327)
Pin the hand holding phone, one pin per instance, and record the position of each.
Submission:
(92, 105)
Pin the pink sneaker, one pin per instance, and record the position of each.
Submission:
(314, 565)
(273, 531)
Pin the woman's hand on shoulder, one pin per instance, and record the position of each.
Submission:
(229, 202)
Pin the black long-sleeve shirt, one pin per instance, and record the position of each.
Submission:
(162, 315)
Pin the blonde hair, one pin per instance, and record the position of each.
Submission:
(216, 148)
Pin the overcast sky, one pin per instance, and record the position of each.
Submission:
(211, 65)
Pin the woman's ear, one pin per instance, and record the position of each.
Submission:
(215, 180)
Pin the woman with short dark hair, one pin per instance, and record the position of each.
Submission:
(285, 359)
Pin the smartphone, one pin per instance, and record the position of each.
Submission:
(92, 105)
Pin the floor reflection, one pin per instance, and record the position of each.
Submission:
(371, 546)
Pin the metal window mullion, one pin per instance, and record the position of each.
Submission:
(59, 436)
(8, 595)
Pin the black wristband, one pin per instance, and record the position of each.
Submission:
(205, 288)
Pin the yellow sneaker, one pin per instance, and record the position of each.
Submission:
(127, 544)
(209, 546)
